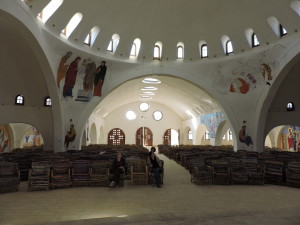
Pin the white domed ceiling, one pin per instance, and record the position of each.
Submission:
(181, 96)
(170, 22)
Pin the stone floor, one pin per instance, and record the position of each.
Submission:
(177, 202)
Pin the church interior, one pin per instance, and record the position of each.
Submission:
(211, 85)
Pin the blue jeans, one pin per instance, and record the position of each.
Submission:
(156, 175)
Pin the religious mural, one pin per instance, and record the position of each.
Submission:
(290, 138)
(82, 76)
(244, 77)
(212, 122)
(32, 138)
(4, 139)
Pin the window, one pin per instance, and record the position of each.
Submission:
(87, 40)
(130, 115)
(229, 48)
(133, 50)
(73, 23)
(48, 11)
(230, 135)
(180, 52)
(190, 135)
(282, 31)
(48, 102)
(157, 115)
(144, 107)
(206, 135)
(156, 53)
(224, 137)
(255, 41)
(204, 51)
(290, 107)
(19, 100)
(113, 44)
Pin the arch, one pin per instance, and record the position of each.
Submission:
(116, 136)
(220, 133)
(31, 137)
(38, 66)
(93, 134)
(180, 50)
(171, 137)
(71, 26)
(83, 138)
(144, 136)
(113, 44)
(49, 10)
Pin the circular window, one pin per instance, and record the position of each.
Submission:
(151, 81)
(130, 115)
(157, 115)
(144, 107)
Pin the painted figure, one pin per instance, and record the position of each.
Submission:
(71, 78)
(62, 68)
(99, 79)
(90, 71)
(70, 136)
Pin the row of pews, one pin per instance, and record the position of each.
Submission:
(221, 165)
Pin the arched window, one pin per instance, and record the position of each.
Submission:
(19, 100)
(113, 44)
(204, 53)
(230, 135)
(179, 52)
(190, 135)
(290, 106)
(156, 53)
(48, 11)
(73, 23)
(133, 50)
(48, 102)
(87, 40)
(255, 41)
(282, 31)
(206, 135)
(229, 48)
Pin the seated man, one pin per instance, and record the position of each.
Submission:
(155, 167)
(118, 168)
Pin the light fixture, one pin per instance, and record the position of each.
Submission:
(151, 81)
(147, 93)
(148, 89)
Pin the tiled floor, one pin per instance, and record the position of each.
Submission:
(177, 202)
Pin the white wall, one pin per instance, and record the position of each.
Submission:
(117, 119)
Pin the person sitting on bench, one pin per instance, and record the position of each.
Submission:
(155, 167)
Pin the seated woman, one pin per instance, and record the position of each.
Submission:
(244, 138)
(118, 168)
(155, 167)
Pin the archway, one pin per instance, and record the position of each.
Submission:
(144, 136)
(187, 136)
(93, 134)
(116, 136)
(268, 142)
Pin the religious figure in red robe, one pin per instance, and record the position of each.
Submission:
(70, 79)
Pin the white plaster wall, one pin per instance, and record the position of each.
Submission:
(117, 119)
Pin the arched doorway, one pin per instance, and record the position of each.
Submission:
(171, 137)
(116, 136)
(144, 136)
